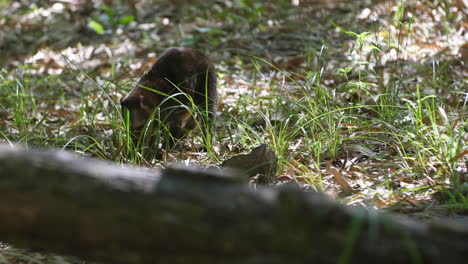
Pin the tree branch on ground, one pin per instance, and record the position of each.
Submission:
(56, 202)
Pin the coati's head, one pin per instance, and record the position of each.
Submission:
(139, 111)
(140, 103)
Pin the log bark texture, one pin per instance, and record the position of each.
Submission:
(56, 202)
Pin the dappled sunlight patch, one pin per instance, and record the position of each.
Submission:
(80, 58)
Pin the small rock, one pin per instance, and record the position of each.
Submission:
(261, 160)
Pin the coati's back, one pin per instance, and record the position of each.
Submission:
(176, 71)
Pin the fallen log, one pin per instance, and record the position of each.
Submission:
(53, 201)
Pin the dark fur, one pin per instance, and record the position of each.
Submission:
(176, 70)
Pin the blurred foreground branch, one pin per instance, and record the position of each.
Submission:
(56, 202)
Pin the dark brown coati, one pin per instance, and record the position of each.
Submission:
(179, 77)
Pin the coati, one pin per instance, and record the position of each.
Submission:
(179, 77)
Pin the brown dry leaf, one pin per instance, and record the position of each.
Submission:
(339, 178)
(284, 178)
(459, 156)
(406, 179)
(291, 170)
(293, 64)
(103, 125)
(380, 203)
(302, 179)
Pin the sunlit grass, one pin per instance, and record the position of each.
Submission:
(304, 123)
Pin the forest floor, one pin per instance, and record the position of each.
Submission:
(363, 100)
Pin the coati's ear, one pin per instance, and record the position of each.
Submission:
(122, 100)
